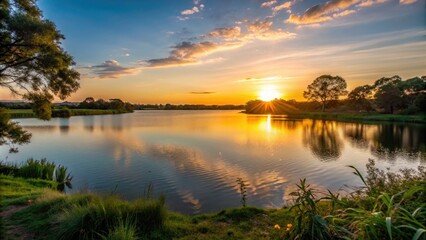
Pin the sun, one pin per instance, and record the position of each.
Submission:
(268, 93)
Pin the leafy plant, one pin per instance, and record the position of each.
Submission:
(243, 191)
(309, 224)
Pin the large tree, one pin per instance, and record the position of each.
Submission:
(326, 88)
(360, 98)
(33, 64)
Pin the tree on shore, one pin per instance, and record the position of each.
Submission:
(33, 64)
(359, 98)
(326, 88)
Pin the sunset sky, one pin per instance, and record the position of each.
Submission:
(227, 51)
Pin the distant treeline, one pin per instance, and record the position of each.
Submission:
(386, 95)
(89, 103)
(187, 107)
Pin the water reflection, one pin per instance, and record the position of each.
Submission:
(194, 157)
(323, 139)
(389, 141)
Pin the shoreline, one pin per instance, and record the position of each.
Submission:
(57, 113)
(353, 117)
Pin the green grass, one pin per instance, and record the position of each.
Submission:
(360, 117)
(15, 191)
(28, 113)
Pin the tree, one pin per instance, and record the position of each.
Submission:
(326, 88)
(389, 97)
(11, 133)
(360, 97)
(33, 64)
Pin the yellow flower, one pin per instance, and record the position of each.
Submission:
(277, 226)
(289, 225)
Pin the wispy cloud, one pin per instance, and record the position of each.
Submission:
(263, 30)
(368, 3)
(229, 33)
(110, 69)
(202, 92)
(323, 12)
(226, 38)
(186, 53)
(268, 3)
(260, 79)
(285, 5)
(407, 1)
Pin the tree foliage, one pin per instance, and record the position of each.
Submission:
(360, 98)
(326, 88)
(11, 133)
(33, 64)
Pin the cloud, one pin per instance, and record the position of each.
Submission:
(368, 3)
(344, 13)
(202, 92)
(180, 18)
(321, 12)
(269, 3)
(189, 53)
(190, 11)
(259, 26)
(186, 53)
(280, 7)
(230, 33)
(111, 69)
(407, 1)
(262, 79)
(263, 30)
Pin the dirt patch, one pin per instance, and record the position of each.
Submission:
(14, 231)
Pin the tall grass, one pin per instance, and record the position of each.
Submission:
(39, 169)
(89, 216)
(390, 205)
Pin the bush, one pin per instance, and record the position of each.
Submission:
(62, 113)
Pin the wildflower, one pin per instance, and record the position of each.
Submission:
(277, 226)
(289, 227)
(30, 201)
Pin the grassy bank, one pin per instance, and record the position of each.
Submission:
(389, 206)
(360, 117)
(28, 113)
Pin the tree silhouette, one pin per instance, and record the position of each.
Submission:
(326, 88)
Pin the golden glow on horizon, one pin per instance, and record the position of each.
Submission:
(269, 93)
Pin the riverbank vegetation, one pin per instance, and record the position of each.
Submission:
(89, 106)
(387, 95)
(390, 205)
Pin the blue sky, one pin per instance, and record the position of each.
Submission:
(227, 51)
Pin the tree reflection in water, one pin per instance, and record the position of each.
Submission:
(389, 141)
(323, 139)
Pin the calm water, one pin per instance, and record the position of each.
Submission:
(195, 157)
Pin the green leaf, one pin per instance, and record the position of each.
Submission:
(389, 226)
(419, 232)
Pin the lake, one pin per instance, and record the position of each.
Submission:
(195, 157)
